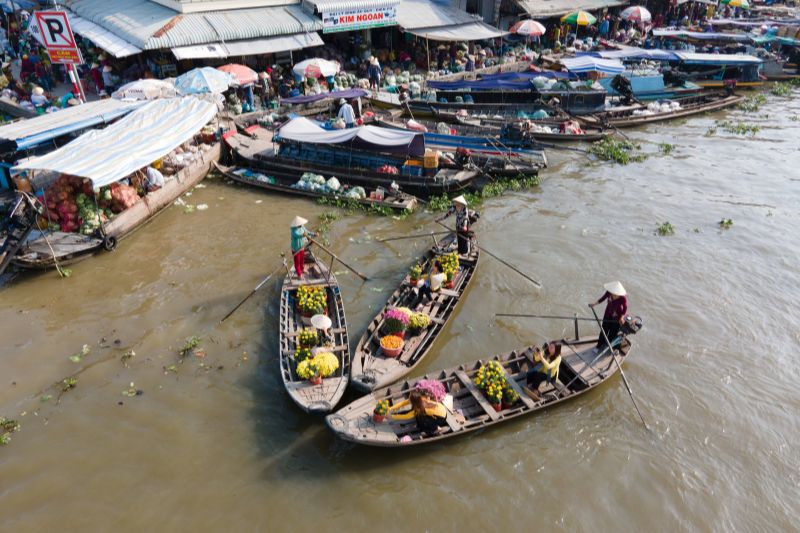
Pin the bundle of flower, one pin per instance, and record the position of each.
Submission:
(491, 379)
(510, 396)
(432, 387)
(395, 321)
(419, 321)
(391, 342)
(327, 363)
(381, 408)
(449, 264)
(415, 272)
(307, 369)
(311, 299)
(302, 354)
(307, 337)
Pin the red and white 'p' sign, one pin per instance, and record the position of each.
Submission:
(57, 37)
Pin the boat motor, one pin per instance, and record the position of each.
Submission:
(631, 325)
(622, 86)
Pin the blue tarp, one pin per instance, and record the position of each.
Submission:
(511, 81)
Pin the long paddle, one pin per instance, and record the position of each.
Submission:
(520, 315)
(416, 236)
(506, 263)
(353, 270)
(619, 366)
(251, 293)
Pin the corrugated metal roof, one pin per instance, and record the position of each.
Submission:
(553, 8)
(268, 45)
(329, 6)
(103, 38)
(412, 14)
(151, 26)
(473, 31)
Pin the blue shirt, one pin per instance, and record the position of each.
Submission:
(299, 238)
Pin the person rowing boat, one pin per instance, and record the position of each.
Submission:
(299, 243)
(464, 220)
(614, 316)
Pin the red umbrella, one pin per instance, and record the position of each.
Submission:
(242, 74)
(531, 28)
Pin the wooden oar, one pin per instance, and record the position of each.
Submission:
(415, 236)
(519, 315)
(252, 292)
(353, 270)
(619, 366)
(503, 261)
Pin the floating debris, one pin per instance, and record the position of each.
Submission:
(665, 228)
(202, 207)
(725, 223)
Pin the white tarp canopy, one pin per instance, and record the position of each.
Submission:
(267, 45)
(592, 64)
(304, 130)
(152, 131)
(472, 31)
(103, 38)
(439, 22)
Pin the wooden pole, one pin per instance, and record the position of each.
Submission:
(415, 236)
(619, 366)
(252, 292)
(354, 271)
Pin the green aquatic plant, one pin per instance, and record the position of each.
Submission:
(189, 346)
(739, 128)
(725, 223)
(753, 103)
(782, 89)
(666, 148)
(68, 383)
(620, 151)
(490, 190)
(665, 228)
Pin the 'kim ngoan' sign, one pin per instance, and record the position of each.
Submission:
(358, 19)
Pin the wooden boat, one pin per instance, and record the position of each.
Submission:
(313, 398)
(394, 200)
(45, 249)
(576, 101)
(255, 149)
(581, 370)
(626, 117)
(494, 133)
(371, 368)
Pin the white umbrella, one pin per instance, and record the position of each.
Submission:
(203, 80)
(636, 14)
(316, 68)
(531, 28)
(148, 89)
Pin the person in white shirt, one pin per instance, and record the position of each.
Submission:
(433, 284)
(154, 181)
(346, 113)
(38, 99)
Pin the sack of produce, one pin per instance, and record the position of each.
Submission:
(540, 82)
(333, 185)
(413, 125)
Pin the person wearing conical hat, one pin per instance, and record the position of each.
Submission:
(616, 308)
(299, 243)
(464, 219)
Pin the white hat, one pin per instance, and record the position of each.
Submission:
(321, 321)
(460, 200)
(615, 288)
(38, 90)
(298, 221)
(342, 101)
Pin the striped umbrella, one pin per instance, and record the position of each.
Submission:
(742, 4)
(531, 28)
(242, 74)
(636, 14)
(579, 18)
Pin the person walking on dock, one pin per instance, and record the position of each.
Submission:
(616, 308)
(464, 219)
(299, 242)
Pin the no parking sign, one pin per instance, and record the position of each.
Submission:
(56, 35)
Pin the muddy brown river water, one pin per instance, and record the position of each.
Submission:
(214, 443)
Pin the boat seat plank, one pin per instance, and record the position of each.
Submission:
(512, 382)
(296, 333)
(448, 292)
(477, 394)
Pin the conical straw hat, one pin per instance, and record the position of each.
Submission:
(615, 288)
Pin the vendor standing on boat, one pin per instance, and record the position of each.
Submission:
(464, 219)
(616, 308)
(346, 113)
(299, 243)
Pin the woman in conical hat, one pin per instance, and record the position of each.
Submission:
(299, 243)
(463, 222)
(616, 308)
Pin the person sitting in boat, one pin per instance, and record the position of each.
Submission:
(322, 323)
(432, 284)
(346, 113)
(464, 219)
(299, 243)
(616, 308)
(548, 361)
(154, 179)
(429, 414)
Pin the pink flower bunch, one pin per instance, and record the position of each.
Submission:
(433, 387)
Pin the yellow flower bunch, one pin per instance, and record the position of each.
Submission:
(449, 264)
(419, 321)
(494, 392)
(492, 378)
(381, 408)
(391, 342)
(311, 299)
(307, 368)
(327, 363)
(307, 337)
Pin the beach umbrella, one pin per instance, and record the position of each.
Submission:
(203, 80)
(579, 18)
(742, 4)
(531, 28)
(148, 89)
(636, 14)
(316, 68)
(241, 74)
